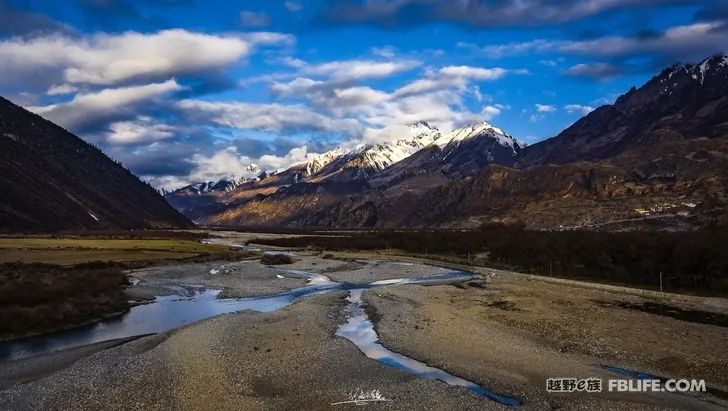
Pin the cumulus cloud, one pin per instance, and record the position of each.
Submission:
(229, 163)
(489, 112)
(107, 59)
(333, 96)
(578, 109)
(442, 108)
(141, 130)
(436, 98)
(450, 77)
(89, 108)
(545, 108)
(223, 163)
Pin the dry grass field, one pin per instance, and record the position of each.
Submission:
(69, 251)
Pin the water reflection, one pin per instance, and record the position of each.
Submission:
(188, 304)
(360, 330)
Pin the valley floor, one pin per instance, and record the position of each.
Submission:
(507, 332)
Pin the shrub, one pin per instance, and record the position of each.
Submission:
(36, 298)
(276, 259)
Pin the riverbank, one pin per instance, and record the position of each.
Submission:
(507, 332)
(288, 359)
(512, 335)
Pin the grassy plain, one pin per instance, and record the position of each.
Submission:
(69, 251)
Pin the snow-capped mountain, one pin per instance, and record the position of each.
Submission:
(222, 185)
(697, 72)
(319, 161)
(416, 149)
(458, 153)
(466, 149)
(365, 160)
(476, 130)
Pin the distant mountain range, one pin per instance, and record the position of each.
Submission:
(286, 197)
(656, 158)
(52, 181)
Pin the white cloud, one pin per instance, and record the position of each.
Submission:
(142, 130)
(359, 69)
(268, 38)
(678, 42)
(90, 107)
(545, 108)
(277, 118)
(254, 19)
(473, 73)
(450, 77)
(330, 95)
(224, 163)
(356, 96)
(508, 49)
(294, 156)
(548, 63)
(56, 90)
(387, 52)
(293, 5)
(578, 108)
(105, 59)
(698, 35)
(293, 62)
(229, 163)
(442, 109)
(489, 112)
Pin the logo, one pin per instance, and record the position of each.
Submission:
(573, 385)
(361, 397)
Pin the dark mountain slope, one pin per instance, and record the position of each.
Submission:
(684, 188)
(53, 180)
(682, 102)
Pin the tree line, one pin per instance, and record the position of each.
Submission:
(687, 261)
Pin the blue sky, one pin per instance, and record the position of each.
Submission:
(186, 90)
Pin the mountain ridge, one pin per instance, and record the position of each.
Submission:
(53, 181)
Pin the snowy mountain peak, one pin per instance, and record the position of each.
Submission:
(479, 129)
(316, 162)
(223, 184)
(697, 72)
(419, 127)
(420, 135)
